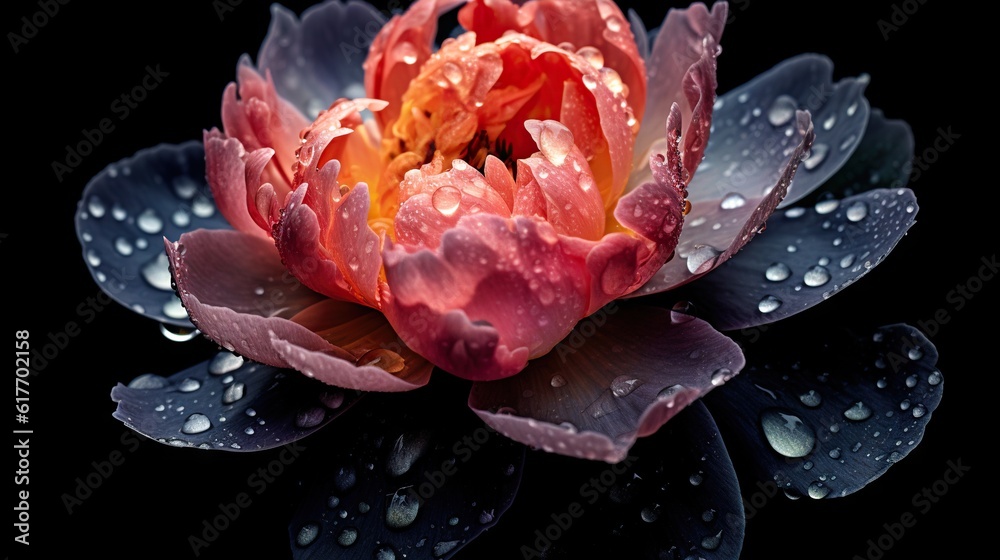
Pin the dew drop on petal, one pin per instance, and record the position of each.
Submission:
(860, 411)
(157, 273)
(811, 398)
(817, 154)
(777, 272)
(623, 385)
(857, 211)
(558, 381)
(555, 141)
(732, 201)
(196, 424)
(699, 256)
(307, 534)
(768, 304)
(447, 200)
(402, 509)
(782, 110)
(149, 222)
(787, 434)
(592, 55)
(816, 276)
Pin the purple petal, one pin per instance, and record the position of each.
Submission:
(240, 296)
(228, 404)
(125, 212)
(823, 414)
(882, 160)
(317, 59)
(754, 130)
(806, 256)
(621, 374)
(404, 484)
(675, 496)
(716, 229)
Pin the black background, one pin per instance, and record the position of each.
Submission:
(65, 78)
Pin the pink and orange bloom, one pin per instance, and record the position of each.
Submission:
(492, 207)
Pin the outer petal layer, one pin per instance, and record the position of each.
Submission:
(240, 296)
(620, 375)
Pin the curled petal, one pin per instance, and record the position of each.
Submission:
(682, 70)
(239, 295)
(621, 374)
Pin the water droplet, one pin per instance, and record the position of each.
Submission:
(816, 156)
(590, 82)
(452, 73)
(189, 385)
(307, 534)
(406, 52)
(118, 213)
(174, 309)
(157, 273)
(149, 222)
(345, 479)
(777, 272)
(835, 453)
(847, 261)
(816, 276)
(233, 393)
(407, 449)
(402, 510)
(782, 110)
(592, 55)
(650, 514)
(915, 353)
(787, 434)
(857, 211)
(934, 378)
(829, 122)
(811, 398)
(623, 385)
(385, 552)
(817, 490)
(196, 424)
(347, 537)
(447, 200)
(827, 206)
(444, 547)
(696, 479)
(911, 381)
(699, 256)
(555, 141)
(93, 259)
(181, 218)
(96, 207)
(224, 362)
(712, 542)
(310, 418)
(860, 411)
(249, 431)
(768, 304)
(732, 201)
(202, 207)
(148, 381)
(918, 411)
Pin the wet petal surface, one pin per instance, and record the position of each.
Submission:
(831, 415)
(229, 404)
(396, 483)
(621, 374)
(126, 211)
(805, 256)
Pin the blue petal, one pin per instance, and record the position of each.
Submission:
(804, 257)
(126, 211)
(823, 414)
(753, 127)
(317, 60)
(230, 405)
(676, 496)
(396, 481)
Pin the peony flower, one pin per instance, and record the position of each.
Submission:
(502, 208)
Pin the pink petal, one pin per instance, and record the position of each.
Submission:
(715, 230)
(590, 23)
(260, 118)
(225, 171)
(238, 293)
(682, 71)
(399, 51)
(620, 375)
(572, 202)
(433, 202)
(511, 285)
